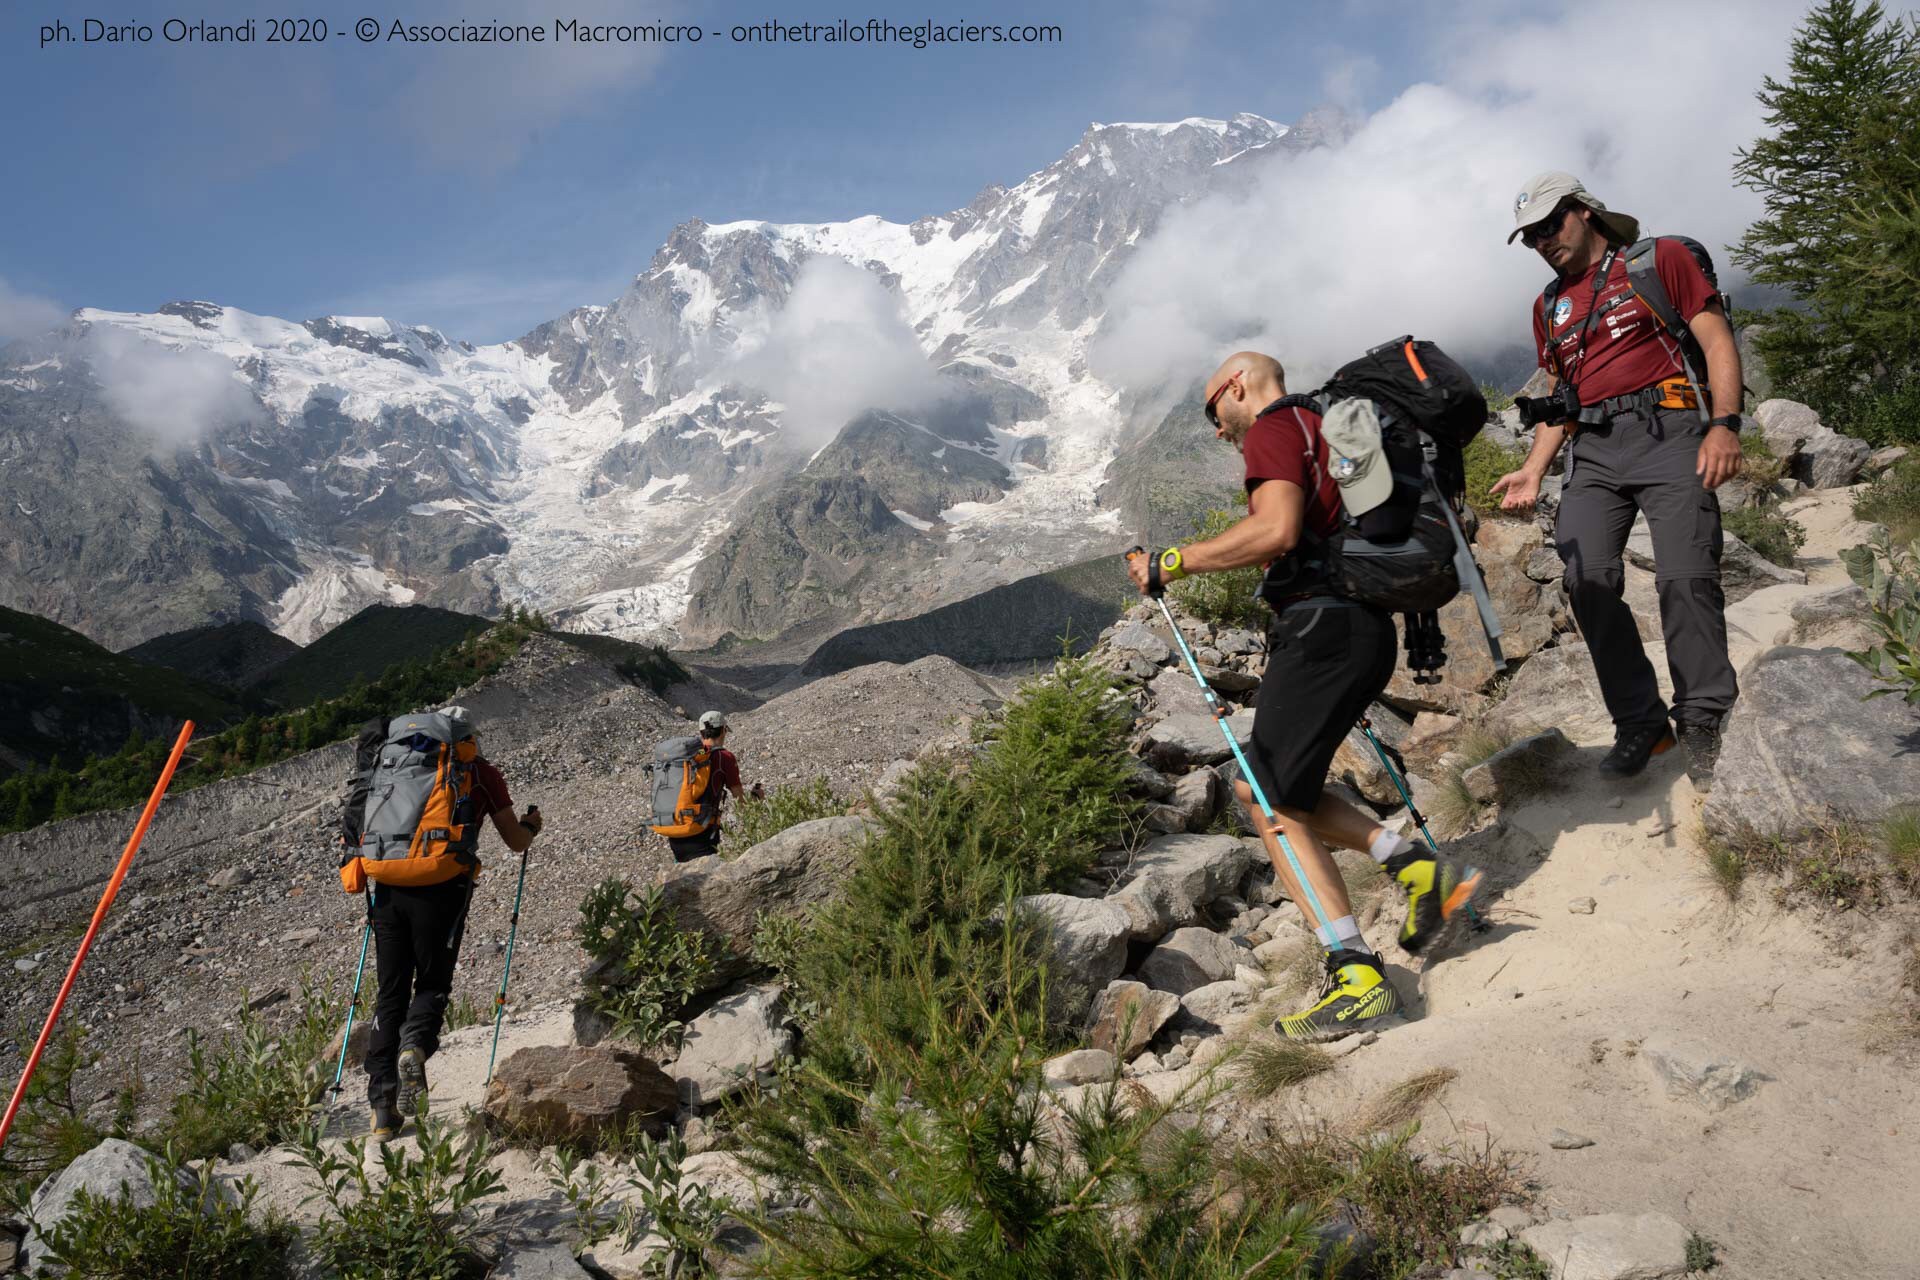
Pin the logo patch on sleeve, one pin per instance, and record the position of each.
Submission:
(1561, 310)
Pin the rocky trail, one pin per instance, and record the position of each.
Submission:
(1669, 1062)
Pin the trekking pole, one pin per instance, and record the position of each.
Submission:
(1219, 711)
(1474, 921)
(353, 1001)
(99, 914)
(513, 930)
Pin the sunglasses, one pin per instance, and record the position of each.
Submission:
(1545, 229)
(1213, 400)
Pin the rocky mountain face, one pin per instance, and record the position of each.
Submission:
(619, 466)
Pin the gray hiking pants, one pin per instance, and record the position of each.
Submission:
(1644, 460)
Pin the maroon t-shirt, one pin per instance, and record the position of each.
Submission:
(726, 775)
(1286, 444)
(489, 790)
(1626, 349)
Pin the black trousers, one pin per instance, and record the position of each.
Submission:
(416, 940)
(687, 848)
(1645, 462)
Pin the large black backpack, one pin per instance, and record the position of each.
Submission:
(1408, 555)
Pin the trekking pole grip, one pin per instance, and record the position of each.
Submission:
(1154, 587)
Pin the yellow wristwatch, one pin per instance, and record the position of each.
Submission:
(1172, 568)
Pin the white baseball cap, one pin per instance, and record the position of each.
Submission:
(712, 721)
(1355, 455)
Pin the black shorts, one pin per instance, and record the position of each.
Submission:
(1325, 663)
(704, 845)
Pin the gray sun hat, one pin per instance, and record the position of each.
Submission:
(712, 721)
(1543, 194)
(1355, 456)
(461, 720)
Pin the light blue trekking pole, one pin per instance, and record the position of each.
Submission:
(353, 1002)
(1474, 921)
(1219, 711)
(513, 930)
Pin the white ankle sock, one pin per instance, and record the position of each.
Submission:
(1343, 935)
(1388, 844)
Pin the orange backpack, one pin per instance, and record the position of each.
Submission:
(420, 827)
(685, 802)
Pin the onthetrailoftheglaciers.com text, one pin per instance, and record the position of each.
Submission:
(560, 31)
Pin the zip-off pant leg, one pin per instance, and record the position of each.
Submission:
(1596, 515)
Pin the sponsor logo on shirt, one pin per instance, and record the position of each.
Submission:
(1561, 311)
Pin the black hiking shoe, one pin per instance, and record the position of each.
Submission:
(413, 1082)
(1438, 891)
(1633, 747)
(1702, 742)
(385, 1123)
(1357, 995)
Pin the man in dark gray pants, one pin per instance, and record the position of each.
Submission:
(1640, 335)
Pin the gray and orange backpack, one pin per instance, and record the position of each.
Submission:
(410, 817)
(685, 787)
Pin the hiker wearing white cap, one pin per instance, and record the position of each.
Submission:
(1328, 658)
(723, 777)
(1644, 375)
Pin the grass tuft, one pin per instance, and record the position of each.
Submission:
(1402, 1104)
(1269, 1063)
(1894, 501)
(1900, 839)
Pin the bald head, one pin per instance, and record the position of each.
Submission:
(1245, 383)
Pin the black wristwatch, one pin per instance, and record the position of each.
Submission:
(1731, 421)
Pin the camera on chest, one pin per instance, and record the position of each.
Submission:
(1562, 405)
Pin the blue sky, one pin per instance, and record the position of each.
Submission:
(483, 190)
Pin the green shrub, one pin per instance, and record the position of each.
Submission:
(1775, 536)
(412, 1219)
(1888, 413)
(648, 966)
(1894, 501)
(192, 1231)
(1498, 401)
(257, 1084)
(783, 807)
(1486, 462)
(1223, 599)
(51, 1129)
(1890, 575)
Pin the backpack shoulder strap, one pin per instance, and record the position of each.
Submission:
(1644, 278)
(1548, 296)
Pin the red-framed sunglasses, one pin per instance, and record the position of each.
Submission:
(1213, 400)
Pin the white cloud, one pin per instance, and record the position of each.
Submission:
(175, 396)
(840, 346)
(25, 315)
(1403, 229)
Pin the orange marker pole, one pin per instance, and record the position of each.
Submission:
(99, 915)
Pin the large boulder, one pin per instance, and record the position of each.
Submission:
(1195, 738)
(1137, 639)
(1196, 798)
(801, 866)
(1522, 767)
(561, 1093)
(114, 1169)
(1188, 959)
(1803, 747)
(1127, 1016)
(1815, 454)
(727, 1047)
(1088, 937)
(1557, 687)
(1173, 878)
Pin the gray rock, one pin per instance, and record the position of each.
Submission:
(1197, 797)
(1127, 1016)
(1174, 877)
(1133, 668)
(1696, 1074)
(1886, 459)
(114, 1169)
(566, 1094)
(229, 878)
(1145, 780)
(1482, 1234)
(891, 779)
(1163, 819)
(1815, 454)
(1228, 680)
(299, 937)
(1207, 1008)
(1786, 425)
(1141, 641)
(800, 867)
(1556, 688)
(1189, 958)
(1195, 739)
(1801, 746)
(1582, 906)
(1174, 693)
(1561, 1140)
(1082, 1066)
(1522, 767)
(727, 1047)
(1512, 1217)
(1611, 1246)
(1836, 618)
(544, 1262)
(1239, 641)
(1088, 938)
(26, 964)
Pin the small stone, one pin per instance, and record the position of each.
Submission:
(1147, 1063)
(298, 937)
(1482, 1235)
(1612, 1246)
(1175, 1058)
(229, 878)
(1561, 1140)
(27, 965)
(1582, 906)
(1694, 1073)
(240, 1153)
(1082, 1066)
(1614, 802)
(1512, 1217)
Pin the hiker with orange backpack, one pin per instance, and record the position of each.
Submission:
(410, 834)
(692, 776)
(1644, 378)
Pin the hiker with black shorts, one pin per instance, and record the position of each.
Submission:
(1644, 375)
(1328, 658)
(419, 859)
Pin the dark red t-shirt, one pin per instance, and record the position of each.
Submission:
(1626, 348)
(726, 775)
(1286, 444)
(489, 790)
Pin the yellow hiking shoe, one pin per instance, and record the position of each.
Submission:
(413, 1082)
(1356, 996)
(385, 1123)
(1438, 892)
